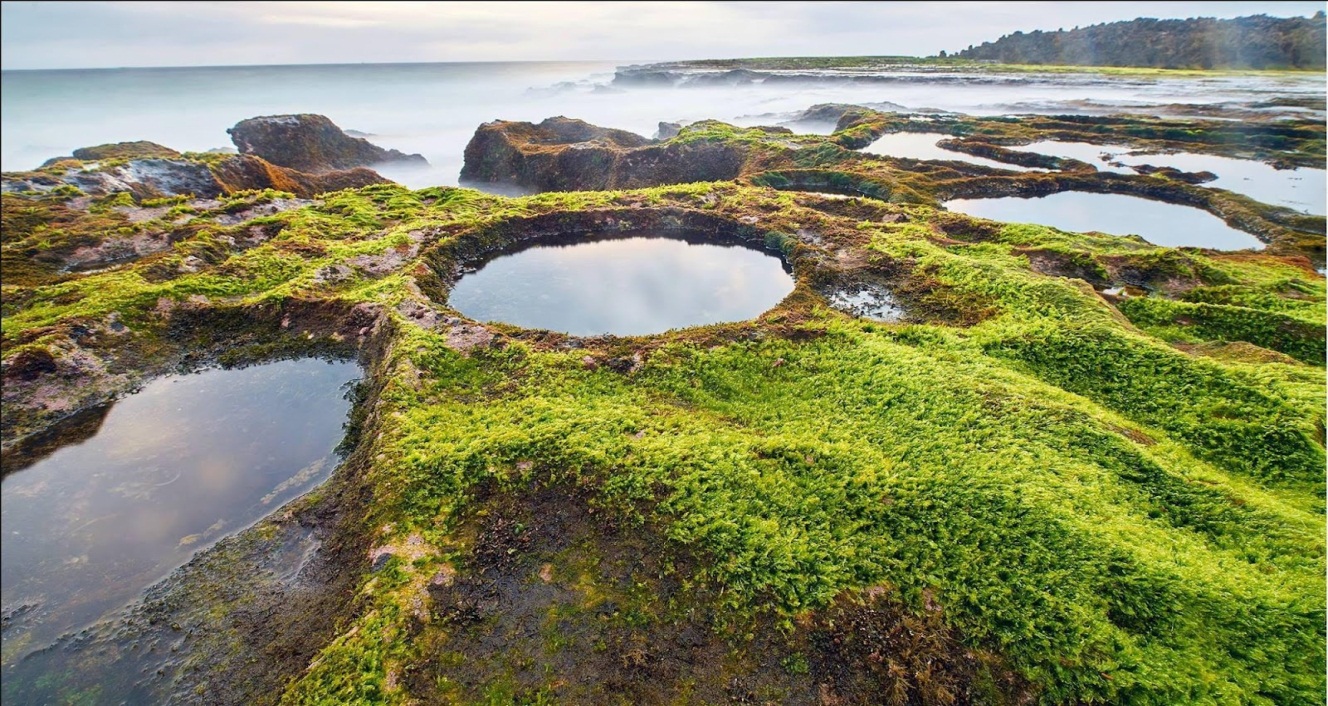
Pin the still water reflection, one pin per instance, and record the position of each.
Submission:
(184, 462)
(1158, 223)
(1302, 189)
(626, 286)
(922, 145)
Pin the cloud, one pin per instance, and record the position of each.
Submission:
(107, 34)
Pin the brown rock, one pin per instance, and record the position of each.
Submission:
(562, 154)
(310, 143)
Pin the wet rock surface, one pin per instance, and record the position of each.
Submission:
(310, 143)
(810, 507)
(158, 178)
(561, 154)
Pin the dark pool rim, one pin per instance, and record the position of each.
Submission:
(471, 250)
(573, 239)
(582, 238)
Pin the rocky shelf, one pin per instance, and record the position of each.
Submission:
(1078, 468)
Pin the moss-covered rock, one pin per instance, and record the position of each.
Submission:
(119, 151)
(1026, 489)
(561, 154)
(310, 143)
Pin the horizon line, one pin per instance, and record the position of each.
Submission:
(621, 62)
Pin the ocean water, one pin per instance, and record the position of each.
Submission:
(433, 109)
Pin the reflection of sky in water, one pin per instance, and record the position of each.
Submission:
(1082, 151)
(173, 468)
(1302, 189)
(1158, 223)
(629, 286)
(922, 145)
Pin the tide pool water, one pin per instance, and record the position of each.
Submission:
(1157, 222)
(172, 469)
(631, 286)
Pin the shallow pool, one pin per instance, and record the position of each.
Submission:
(173, 468)
(922, 145)
(1157, 222)
(626, 286)
(1302, 189)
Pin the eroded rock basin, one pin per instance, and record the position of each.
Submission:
(1158, 223)
(172, 469)
(626, 285)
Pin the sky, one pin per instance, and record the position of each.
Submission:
(47, 35)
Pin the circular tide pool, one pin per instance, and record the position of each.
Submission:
(639, 284)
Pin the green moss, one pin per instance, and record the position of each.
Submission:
(1049, 472)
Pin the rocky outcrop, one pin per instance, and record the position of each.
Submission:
(831, 112)
(125, 150)
(310, 143)
(667, 130)
(563, 154)
(142, 178)
(141, 149)
(182, 176)
(1177, 174)
(248, 172)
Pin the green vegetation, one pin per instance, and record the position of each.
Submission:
(1257, 42)
(1060, 496)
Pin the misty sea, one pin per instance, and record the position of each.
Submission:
(433, 109)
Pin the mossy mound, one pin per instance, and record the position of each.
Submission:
(141, 149)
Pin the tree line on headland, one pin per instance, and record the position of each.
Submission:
(1256, 42)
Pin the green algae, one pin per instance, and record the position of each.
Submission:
(1055, 475)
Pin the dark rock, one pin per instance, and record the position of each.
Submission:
(732, 77)
(648, 75)
(667, 130)
(30, 364)
(830, 112)
(1176, 174)
(310, 143)
(561, 154)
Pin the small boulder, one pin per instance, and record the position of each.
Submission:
(667, 130)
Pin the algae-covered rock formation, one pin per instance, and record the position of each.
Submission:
(547, 157)
(202, 175)
(561, 154)
(119, 150)
(310, 143)
(1035, 487)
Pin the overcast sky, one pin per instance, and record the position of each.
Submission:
(40, 35)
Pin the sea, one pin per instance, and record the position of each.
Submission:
(433, 109)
